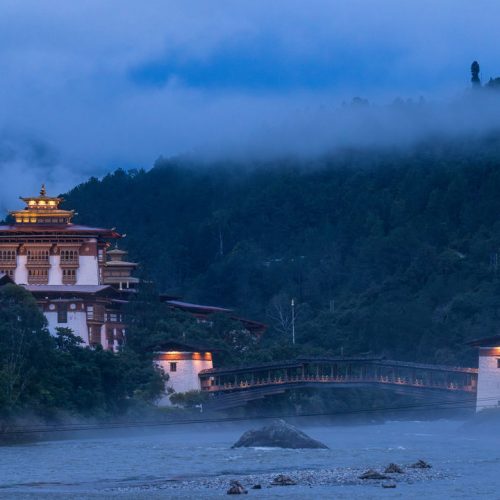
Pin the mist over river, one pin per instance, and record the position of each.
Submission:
(197, 461)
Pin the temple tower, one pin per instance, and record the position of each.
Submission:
(118, 272)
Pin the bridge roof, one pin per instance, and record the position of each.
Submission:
(289, 363)
(300, 361)
(424, 366)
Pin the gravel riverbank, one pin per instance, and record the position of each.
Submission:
(303, 478)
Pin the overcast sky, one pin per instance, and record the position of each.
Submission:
(89, 86)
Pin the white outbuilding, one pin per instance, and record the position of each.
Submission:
(488, 382)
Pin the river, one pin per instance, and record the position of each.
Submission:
(197, 462)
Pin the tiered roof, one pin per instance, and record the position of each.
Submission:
(42, 215)
(42, 209)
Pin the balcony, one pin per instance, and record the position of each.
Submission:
(38, 263)
(8, 263)
(38, 280)
(95, 316)
(69, 262)
(69, 280)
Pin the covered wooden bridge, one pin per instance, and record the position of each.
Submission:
(231, 387)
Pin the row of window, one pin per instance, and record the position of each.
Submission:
(42, 220)
(113, 318)
(123, 274)
(38, 273)
(8, 272)
(107, 317)
(69, 255)
(66, 255)
(38, 255)
(9, 255)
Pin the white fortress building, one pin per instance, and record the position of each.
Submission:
(66, 267)
(81, 282)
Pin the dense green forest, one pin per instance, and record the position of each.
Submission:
(392, 252)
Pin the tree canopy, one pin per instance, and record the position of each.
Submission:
(43, 374)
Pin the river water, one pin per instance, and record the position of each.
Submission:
(197, 462)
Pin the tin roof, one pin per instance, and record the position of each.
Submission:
(69, 289)
(196, 307)
(493, 341)
(59, 228)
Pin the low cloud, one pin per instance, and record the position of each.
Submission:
(88, 87)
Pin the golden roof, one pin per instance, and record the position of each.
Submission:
(42, 209)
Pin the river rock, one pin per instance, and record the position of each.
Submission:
(388, 485)
(282, 480)
(421, 464)
(256, 487)
(393, 469)
(372, 474)
(236, 488)
(279, 434)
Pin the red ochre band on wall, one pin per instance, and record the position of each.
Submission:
(489, 351)
(181, 356)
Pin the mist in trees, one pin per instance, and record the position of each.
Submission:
(403, 243)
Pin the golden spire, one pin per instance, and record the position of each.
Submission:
(42, 209)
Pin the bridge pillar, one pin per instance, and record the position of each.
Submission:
(488, 380)
(488, 383)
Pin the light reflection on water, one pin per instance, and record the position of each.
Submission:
(137, 458)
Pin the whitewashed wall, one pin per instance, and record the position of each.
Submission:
(55, 271)
(488, 382)
(185, 378)
(77, 321)
(88, 272)
(21, 272)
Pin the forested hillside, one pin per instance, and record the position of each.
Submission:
(392, 252)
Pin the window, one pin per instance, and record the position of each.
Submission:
(38, 255)
(173, 367)
(498, 362)
(62, 313)
(69, 276)
(38, 276)
(69, 256)
(8, 256)
(90, 312)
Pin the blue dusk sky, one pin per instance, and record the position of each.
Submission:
(93, 85)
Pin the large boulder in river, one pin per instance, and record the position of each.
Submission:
(278, 435)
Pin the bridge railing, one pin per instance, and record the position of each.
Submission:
(324, 379)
